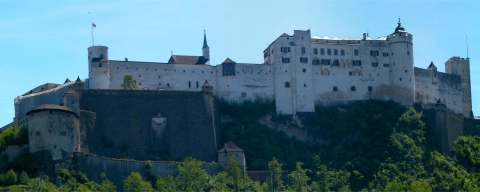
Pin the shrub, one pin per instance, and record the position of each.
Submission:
(148, 164)
(24, 178)
(10, 178)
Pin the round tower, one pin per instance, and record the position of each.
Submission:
(98, 72)
(402, 79)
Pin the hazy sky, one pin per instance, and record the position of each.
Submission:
(46, 41)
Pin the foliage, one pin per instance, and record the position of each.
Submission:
(233, 171)
(274, 178)
(40, 185)
(129, 83)
(191, 176)
(135, 182)
(24, 178)
(25, 162)
(420, 185)
(165, 184)
(148, 164)
(298, 178)
(13, 135)
(394, 186)
(468, 148)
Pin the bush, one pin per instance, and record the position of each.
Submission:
(24, 178)
(148, 164)
(25, 162)
(14, 135)
(135, 182)
(10, 178)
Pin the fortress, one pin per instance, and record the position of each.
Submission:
(174, 114)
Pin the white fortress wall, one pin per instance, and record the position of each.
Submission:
(249, 82)
(302, 72)
(281, 59)
(23, 104)
(431, 86)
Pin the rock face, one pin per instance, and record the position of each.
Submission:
(133, 124)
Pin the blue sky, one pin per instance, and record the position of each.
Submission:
(47, 41)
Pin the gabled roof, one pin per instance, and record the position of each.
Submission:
(44, 87)
(67, 81)
(187, 59)
(228, 60)
(230, 146)
(206, 84)
(78, 80)
(431, 65)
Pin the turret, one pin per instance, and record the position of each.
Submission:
(98, 72)
(461, 66)
(401, 66)
(205, 48)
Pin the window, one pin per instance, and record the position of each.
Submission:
(285, 60)
(335, 52)
(408, 52)
(400, 79)
(335, 62)
(168, 84)
(353, 88)
(350, 73)
(303, 50)
(370, 88)
(357, 63)
(197, 84)
(285, 49)
(316, 61)
(325, 61)
(304, 70)
(303, 60)
(322, 51)
(189, 85)
(335, 88)
(158, 76)
(355, 52)
(139, 83)
(342, 52)
(386, 65)
(385, 54)
(287, 84)
(373, 53)
(406, 71)
(139, 75)
(315, 51)
(137, 68)
(329, 52)
(374, 64)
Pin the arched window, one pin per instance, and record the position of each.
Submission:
(370, 88)
(189, 84)
(335, 88)
(316, 61)
(335, 62)
(353, 88)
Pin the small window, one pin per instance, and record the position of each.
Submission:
(139, 75)
(353, 88)
(139, 83)
(303, 49)
(325, 61)
(316, 61)
(146, 69)
(285, 60)
(386, 65)
(159, 76)
(406, 71)
(373, 53)
(189, 84)
(197, 84)
(370, 88)
(357, 63)
(350, 73)
(315, 51)
(304, 70)
(304, 85)
(287, 84)
(335, 88)
(408, 52)
(303, 60)
(374, 64)
(342, 52)
(385, 54)
(329, 52)
(322, 51)
(400, 79)
(137, 68)
(355, 52)
(285, 49)
(335, 62)
(168, 84)
(335, 52)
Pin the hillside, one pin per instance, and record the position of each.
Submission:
(364, 145)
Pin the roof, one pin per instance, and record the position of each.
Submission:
(71, 90)
(285, 35)
(230, 146)
(399, 28)
(228, 60)
(51, 107)
(67, 81)
(205, 45)
(206, 84)
(78, 80)
(431, 65)
(41, 88)
(187, 59)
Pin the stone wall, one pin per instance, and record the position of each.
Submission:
(118, 169)
(123, 124)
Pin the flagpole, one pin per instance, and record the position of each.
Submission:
(93, 42)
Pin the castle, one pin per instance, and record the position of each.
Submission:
(299, 71)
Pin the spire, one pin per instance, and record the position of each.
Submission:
(399, 27)
(204, 39)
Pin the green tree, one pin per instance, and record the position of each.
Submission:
(129, 82)
(420, 185)
(191, 176)
(40, 185)
(394, 186)
(299, 178)
(135, 182)
(274, 179)
(165, 184)
(329, 179)
(233, 171)
(24, 178)
(468, 148)
(10, 178)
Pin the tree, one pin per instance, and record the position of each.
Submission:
(10, 178)
(468, 148)
(165, 184)
(274, 179)
(129, 82)
(24, 178)
(40, 185)
(420, 185)
(233, 171)
(135, 182)
(191, 176)
(299, 178)
(394, 186)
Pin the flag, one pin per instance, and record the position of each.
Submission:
(93, 25)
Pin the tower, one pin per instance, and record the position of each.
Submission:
(205, 48)
(401, 66)
(461, 66)
(98, 72)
